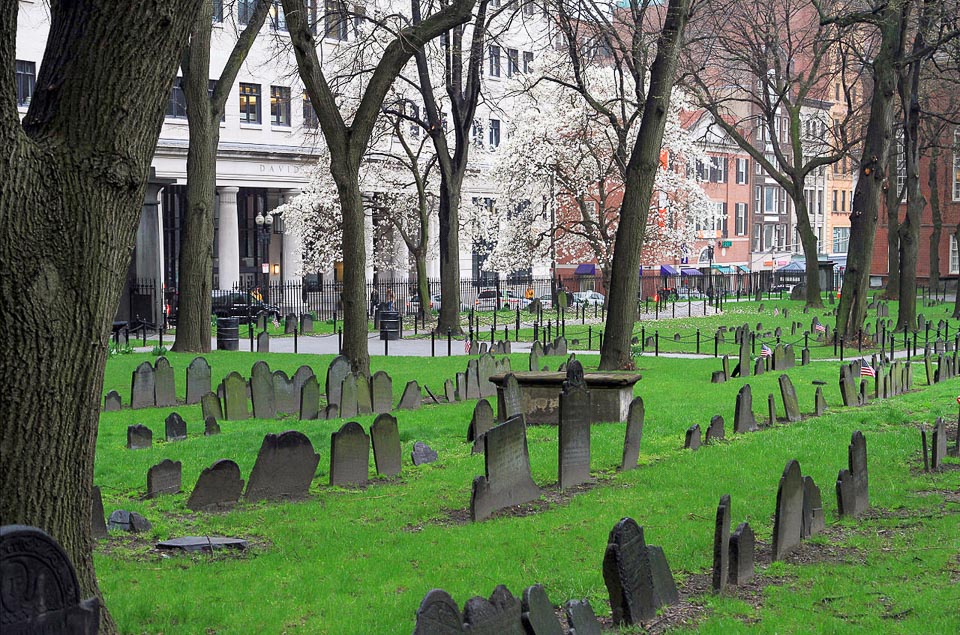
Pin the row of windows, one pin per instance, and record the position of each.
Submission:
(250, 104)
(842, 195)
(513, 61)
(333, 20)
(493, 133)
(26, 82)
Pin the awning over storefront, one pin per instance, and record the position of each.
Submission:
(687, 271)
(742, 269)
(586, 269)
(723, 268)
(667, 270)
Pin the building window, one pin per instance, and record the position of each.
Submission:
(954, 255)
(835, 209)
(245, 9)
(494, 133)
(527, 60)
(843, 200)
(513, 62)
(742, 171)
(494, 61)
(26, 81)
(279, 105)
(335, 20)
(770, 200)
(249, 103)
(841, 238)
(741, 220)
(956, 164)
(529, 8)
(217, 11)
(756, 238)
(278, 21)
(310, 119)
(177, 106)
(718, 169)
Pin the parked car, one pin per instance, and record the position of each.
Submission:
(546, 301)
(590, 298)
(489, 300)
(413, 304)
(691, 294)
(239, 305)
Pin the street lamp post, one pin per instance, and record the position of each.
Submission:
(264, 225)
(710, 270)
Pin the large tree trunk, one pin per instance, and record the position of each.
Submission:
(638, 188)
(937, 230)
(449, 231)
(892, 205)
(810, 251)
(72, 180)
(354, 295)
(956, 299)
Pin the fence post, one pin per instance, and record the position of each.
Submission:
(716, 343)
(601, 340)
(841, 348)
(339, 341)
(643, 338)
(433, 343)
(549, 332)
(449, 343)
(493, 333)
(536, 330)
(698, 341)
(295, 348)
(589, 338)
(386, 347)
(656, 343)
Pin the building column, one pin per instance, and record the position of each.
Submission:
(229, 237)
(368, 241)
(292, 261)
(401, 258)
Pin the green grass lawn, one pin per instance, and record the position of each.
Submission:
(360, 561)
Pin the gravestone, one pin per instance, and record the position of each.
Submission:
(284, 468)
(263, 342)
(218, 487)
(537, 612)
(300, 378)
(262, 320)
(759, 366)
(164, 478)
(716, 430)
(853, 494)
(634, 434)
(726, 367)
(788, 518)
(193, 544)
(175, 427)
(535, 354)
(509, 399)
(164, 384)
(848, 386)
(939, 445)
(306, 324)
(813, 520)
(718, 377)
(234, 398)
(928, 366)
(210, 406)
(422, 454)
(382, 388)
(111, 402)
(692, 439)
(560, 346)
(332, 411)
(483, 348)
(742, 547)
(139, 437)
(285, 393)
(131, 522)
(481, 421)
(262, 391)
(348, 397)
(385, 436)
(473, 380)
(210, 427)
(338, 369)
(745, 353)
(349, 455)
(448, 390)
(788, 393)
(364, 398)
(779, 361)
(410, 400)
(198, 380)
(743, 419)
(143, 387)
(438, 614)
(805, 356)
(500, 615)
(819, 403)
(507, 480)
(574, 433)
(771, 409)
(461, 391)
(98, 526)
(721, 545)
(581, 618)
(290, 324)
(310, 399)
(636, 584)
(41, 591)
(487, 366)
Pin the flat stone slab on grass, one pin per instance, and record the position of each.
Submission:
(192, 544)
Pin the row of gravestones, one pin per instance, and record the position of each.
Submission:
(538, 351)
(783, 358)
(893, 379)
(140, 437)
(154, 386)
(946, 367)
(934, 453)
(499, 347)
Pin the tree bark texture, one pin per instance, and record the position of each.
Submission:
(937, 230)
(892, 198)
(808, 240)
(72, 179)
(638, 188)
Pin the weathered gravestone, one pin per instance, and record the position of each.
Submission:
(507, 480)
(41, 592)
(726, 367)
(760, 366)
(788, 518)
(509, 399)
(262, 320)
(309, 399)
(164, 383)
(718, 377)
(574, 434)
(300, 378)
(637, 576)
(473, 380)
(263, 342)
(143, 387)
(742, 547)
(218, 488)
(581, 618)
(422, 454)
(461, 390)
(939, 445)
(193, 544)
(210, 406)
(349, 403)
(164, 478)
(235, 398)
(536, 352)
(133, 522)
(410, 400)
(385, 436)
(744, 364)
(285, 393)
(483, 348)
(175, 427)
(438, 614)
(853, 494)
(715, 431)
(771, 409)
(692, 438)
(382, 388)
(139, 437)
(449, 391)
(284, 468)
(98, 526)
(198, 380)
(848, 386)
(262, 391)
(481, 421)
(721, 545)
(788, 393)
(805, 357)
(537, 612)
(500, 615)
(743, 418)
(210, 427)
(560, 346)
(306, 324)
(111, 402)
(290, 324)
(813, 520)
(338, 369)
(634, 434)
(364, 397)
(331, 411)
(349, 455)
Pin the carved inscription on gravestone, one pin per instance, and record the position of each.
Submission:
(509, 398)
(164, 478)
(235, 398)
(349, 455)
(481, 422)
(574, 422)
(285, 466)
(348, 397)
(165, 386)
(385, 436)
(338, 369)
(286, 394)
(507, 480)
(175, 427)
(198, 380)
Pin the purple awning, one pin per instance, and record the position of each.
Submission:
(687, 271)
(585, 269)
(667, 270)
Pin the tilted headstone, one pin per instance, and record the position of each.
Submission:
(634, 434)
(788, 393)
(349, 455)
(438, 614)
(338, 369)
(725, 361)
(218, 488)
(286, 394)
(263, 342)
(422, 454)
(581, 618)
(813, 520)
(636, 585)
(771, 409)
(385, 436)
(509, 399)
(716, 430)
(364, 397)
(692, 437)
(132, 522)
(574, 433)
(98, 526)
(507, 480)
(309, 399)
(721, 545)
(143, 387)
(349, 404)
(111, 402)
(742, 547)
(788, 518)
(290, 324)
(262, 391)
(164, 478)
(210, 406)
(306, 324)
(198, 380)
(939, 445)
(481, 421)
(473, 380)
(449, 391)
(139, 437)
(175, 427)
(410, 400)
(382, 389)
(284, 468)
(853, 494)
(743, 418)
(819, 403)
(165, 386)
(718, 377)
(235, 398)
(537, 612)
(210, 427)
(41, 591)
(500, 615)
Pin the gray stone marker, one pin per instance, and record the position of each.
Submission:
(218, 488)
(634, 434)
(461, 391)
(286, 393)
(111, 402)
(500, 615)
(716, 430)
(449, 391)
(210, 427)
(301, 376)
(139, 437)
(692, 438)
(813, 519)
(349, 404)
(487, 366)
(721, 545)
(743, 418)
(581, 618)
(574, 434)
(718, 377)
(759, 366)
(742, 547)
(164, 478)
(473, 380)
(481, 421)
(385, 436)
(349, 456)
(165, 385)
(382, 389)
(338, 369)
(210, 406)
(332, 411)
(410, 400)
(744, 352)
(848, 386)
(438, 614)
(310, 399)
(235, 398)
(198, 380)
(262, 392)
(193, 544)
(509, 399)
(788, 393)
(819, 403)
(422, 454)
(132, 522)
(143, 387)
(364, 398)
(263, 342)
(306, 324)
(637, 585)
(537, 612)
(290, 324)
(175, 427)
(535, 354)
(788, 518)
(41, 591)
(726, 367)
(939, 445)
(98, 526)
(284, 468)
(853, 495)
(507, 465)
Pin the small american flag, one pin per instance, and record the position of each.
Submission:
(819, 328)
(765, 351)
(466, 347)
(776, 312)
(866, 370)
(276, 322)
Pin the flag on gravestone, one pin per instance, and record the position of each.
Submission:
(466, 347)
(776, 312)
(866, 370)
(820, 328)
(765, 351)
